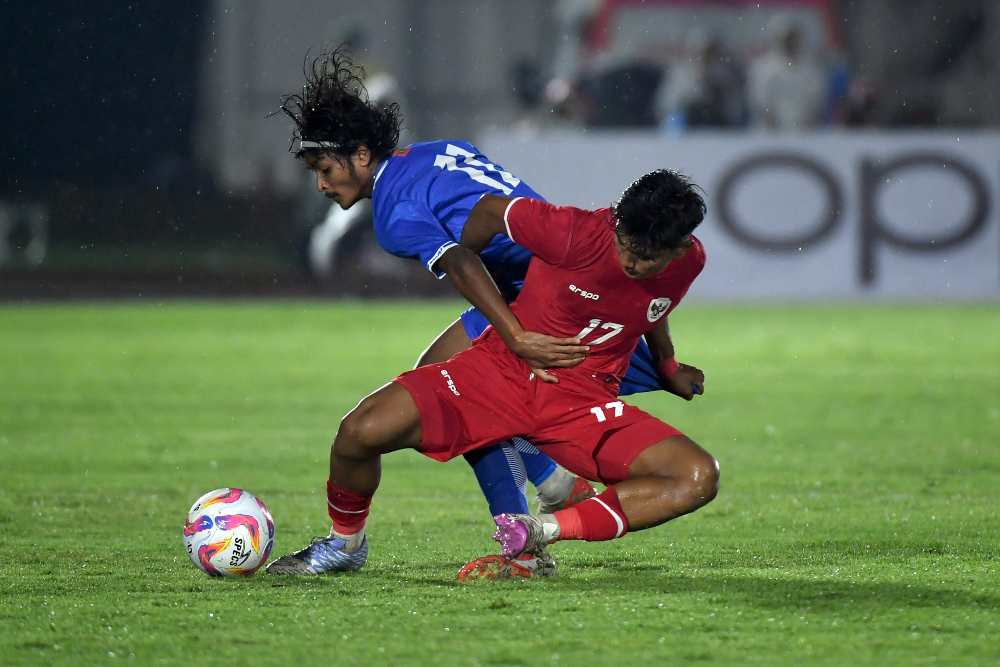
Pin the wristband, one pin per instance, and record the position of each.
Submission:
(668, 367)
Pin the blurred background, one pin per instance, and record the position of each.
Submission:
(849, 148)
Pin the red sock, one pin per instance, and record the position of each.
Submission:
(347, 508)
(595, 519)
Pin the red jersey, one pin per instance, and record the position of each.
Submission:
(575, 286)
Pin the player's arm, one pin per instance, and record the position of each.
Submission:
(680, 379)
(544, 229)
(411, 230)
(473, 281)
(485, 222)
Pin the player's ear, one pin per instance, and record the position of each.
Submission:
(363, 156)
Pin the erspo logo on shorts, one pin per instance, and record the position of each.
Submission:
(451, 383)
(584, 293)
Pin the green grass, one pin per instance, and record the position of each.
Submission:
(857, 521)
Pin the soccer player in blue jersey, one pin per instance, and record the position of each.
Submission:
(422, 196)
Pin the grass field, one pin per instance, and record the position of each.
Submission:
(857, 521)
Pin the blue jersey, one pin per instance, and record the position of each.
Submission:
(423, 195)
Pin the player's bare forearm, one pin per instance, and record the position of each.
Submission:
(485, 221)
(470, 277)
(680, 379)
(660, 343)
(539, 351)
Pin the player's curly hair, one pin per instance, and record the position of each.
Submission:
(334, 110)
(658, 212)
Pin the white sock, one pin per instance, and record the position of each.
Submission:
(550, 527)
(557, 487)
(353, 541)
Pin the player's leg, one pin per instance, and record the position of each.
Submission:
(442, 410)
(448, 343)
(667, 480)
(501, 470)
(500, 473)
(498, 469)
(557, 487)
(385, 421)
(655, 474)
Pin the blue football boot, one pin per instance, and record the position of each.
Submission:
(324, 554)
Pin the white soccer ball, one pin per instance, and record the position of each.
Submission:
(228, 532)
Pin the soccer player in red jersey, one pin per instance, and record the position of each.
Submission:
(606, 277)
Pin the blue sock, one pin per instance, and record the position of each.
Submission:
(538, 466)
(500, 473)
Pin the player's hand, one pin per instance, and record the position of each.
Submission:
(541, 352)
(687, 382)
(544, 375)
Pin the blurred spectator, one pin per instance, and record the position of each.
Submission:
(528, 86)
(708, 89)
(860, 103)
(594, 90)
(622, 94)
(839, 88)
(942, 69)
(614, 94)
(568, 101)
(788, 86)
(574, 21)
(24, 233)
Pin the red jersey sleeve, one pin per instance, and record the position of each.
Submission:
(544, 229)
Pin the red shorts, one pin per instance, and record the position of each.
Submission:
(480, 397)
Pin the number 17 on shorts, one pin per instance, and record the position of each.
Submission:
(614, 408)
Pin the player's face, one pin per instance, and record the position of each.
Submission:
(344, 181)
(637, 265)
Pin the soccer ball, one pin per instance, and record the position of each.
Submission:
(228, 532)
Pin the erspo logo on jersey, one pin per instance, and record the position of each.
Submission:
(450, 382)
(584, 293)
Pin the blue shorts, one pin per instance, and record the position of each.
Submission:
(641, 375)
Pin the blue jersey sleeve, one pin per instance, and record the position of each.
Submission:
(413, 232)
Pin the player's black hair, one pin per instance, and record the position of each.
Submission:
(334, 108)
(658, 212)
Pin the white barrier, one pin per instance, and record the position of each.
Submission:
(833, 215)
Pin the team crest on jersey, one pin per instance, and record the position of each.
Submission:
(657, 309)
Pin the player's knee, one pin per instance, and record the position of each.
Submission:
(703, 479)
(360, 433)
